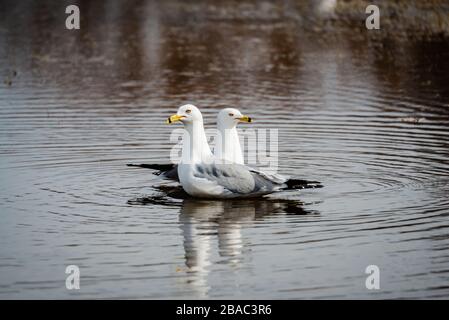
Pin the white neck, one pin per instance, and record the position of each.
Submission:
(229, 148)
(195, 148)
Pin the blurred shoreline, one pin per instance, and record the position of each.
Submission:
(398, 17)
(410, 18)
(366, 112)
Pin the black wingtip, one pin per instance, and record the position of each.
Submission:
(302, 184)
(154, 166)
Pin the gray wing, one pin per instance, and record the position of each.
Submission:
(236, 178)
(233, 177)
(276, 179)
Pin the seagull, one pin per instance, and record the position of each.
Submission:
(228, 147)
(228, 144)
(204, 175)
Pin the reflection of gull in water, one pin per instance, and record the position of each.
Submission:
(198, 238)
(201, 221)
(214, 230)
(221, 218)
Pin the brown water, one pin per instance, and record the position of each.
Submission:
(368, 118)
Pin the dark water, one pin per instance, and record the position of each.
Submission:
(367, 117)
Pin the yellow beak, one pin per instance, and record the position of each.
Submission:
(174, 118)
(245, 119)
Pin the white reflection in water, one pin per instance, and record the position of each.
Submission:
(209, 226)
(367, 117)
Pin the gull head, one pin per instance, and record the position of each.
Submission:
(228, 118)
(187, 113)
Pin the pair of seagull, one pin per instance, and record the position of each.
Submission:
(222, 175)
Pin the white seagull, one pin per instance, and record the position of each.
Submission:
(227, 147)
(205, 175)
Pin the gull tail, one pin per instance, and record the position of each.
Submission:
(169, 170)
(301, 184)
(154, 166)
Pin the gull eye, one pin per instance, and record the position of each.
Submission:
(231, 114)
(188, 111)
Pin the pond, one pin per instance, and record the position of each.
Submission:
(368, 118)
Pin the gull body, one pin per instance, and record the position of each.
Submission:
(204, 175)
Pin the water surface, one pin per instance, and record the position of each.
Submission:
(367, 117)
